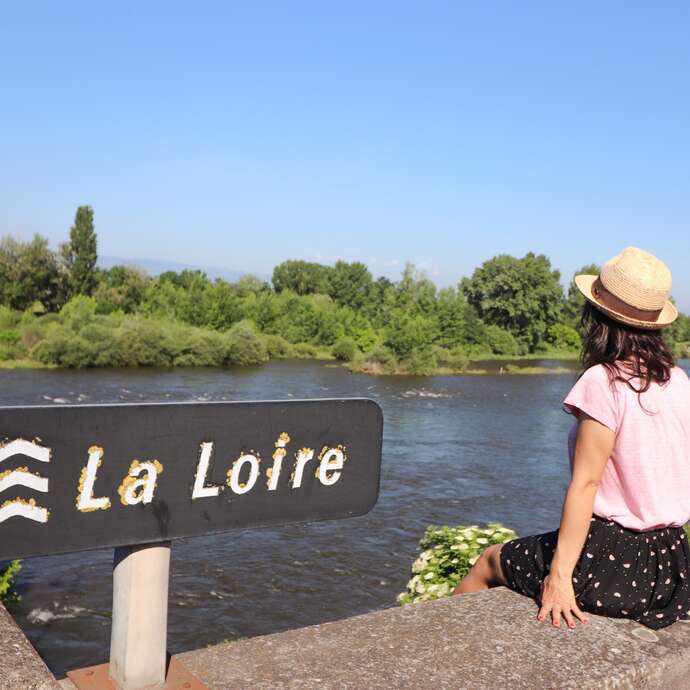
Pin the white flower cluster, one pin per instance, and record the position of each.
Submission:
(447, 556)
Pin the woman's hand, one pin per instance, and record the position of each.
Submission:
(558, 597)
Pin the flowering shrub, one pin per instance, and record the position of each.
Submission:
(6, 581)
(448, 555)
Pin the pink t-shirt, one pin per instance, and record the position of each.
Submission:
(646, 482)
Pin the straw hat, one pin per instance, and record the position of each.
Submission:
(632, 288)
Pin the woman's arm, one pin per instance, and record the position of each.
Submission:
(593, 446)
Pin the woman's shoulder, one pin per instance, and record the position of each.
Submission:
(595, 379)
(679, 374)
(594, 395)
(596, 372)
(602, 373)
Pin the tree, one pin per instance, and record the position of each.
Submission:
(381, 298)
(350, 284)
(501, 341)
(572, 308)
(677, 335)
(302, 277)
(450, 314)
(80, 253)
(407, 333)
(415, 291)
(121, 287)
(29, 273)
(250, 284)
(523, 296)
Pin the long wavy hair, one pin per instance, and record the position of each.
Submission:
(626, 352)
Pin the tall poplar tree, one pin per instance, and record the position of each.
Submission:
(80, 253)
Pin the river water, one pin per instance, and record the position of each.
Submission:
(457, 449)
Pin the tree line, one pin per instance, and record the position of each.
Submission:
(59, 308)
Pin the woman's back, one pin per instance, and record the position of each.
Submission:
(646, 483)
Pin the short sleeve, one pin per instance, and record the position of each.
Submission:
(593, 394)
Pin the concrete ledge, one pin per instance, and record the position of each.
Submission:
(489, 639)
(486, 640)
(20, 666)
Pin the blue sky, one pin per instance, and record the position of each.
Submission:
(243, 134)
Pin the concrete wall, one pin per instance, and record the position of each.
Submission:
(486, 640)
(20, 666)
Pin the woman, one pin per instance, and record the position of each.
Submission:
(620, 550)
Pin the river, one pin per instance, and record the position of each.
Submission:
(457, 449)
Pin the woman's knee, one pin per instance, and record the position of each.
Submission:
(486, 562)
(492, 555)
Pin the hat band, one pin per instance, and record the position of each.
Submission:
(610, 301)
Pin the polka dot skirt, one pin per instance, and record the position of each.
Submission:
(621, 573)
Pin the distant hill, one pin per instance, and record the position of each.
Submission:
(154, 267)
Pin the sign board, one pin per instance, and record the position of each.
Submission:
(90, 476)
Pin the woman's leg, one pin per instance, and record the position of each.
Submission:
(485, 573)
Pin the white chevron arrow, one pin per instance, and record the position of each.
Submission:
(20, 508)
(21, 447)
(21, 477)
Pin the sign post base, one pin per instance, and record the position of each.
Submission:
(178, 677)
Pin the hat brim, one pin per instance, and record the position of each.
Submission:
(667, 316)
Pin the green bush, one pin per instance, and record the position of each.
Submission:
(305, 350)
(345, 349)
(244, 346)
(78, 312)
(7, 594)
(501, 341)
(447, 556)
(421, 362)
(199, 348)
(453, 359)
(129, 341)
(682, 350)
(27, 317)
(48, 319)
(8, 319)
(406, 333)
(278, 347)
(107, 348)
(11, 346)
(32, 334)
(563, 337)
(64, 350)
(381, 355)
(146, 343)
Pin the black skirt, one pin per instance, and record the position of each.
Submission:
(621, 573)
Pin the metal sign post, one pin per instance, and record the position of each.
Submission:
(136, 476)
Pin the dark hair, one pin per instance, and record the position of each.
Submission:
(622, 349)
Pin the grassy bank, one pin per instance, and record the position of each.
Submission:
(442, 362)
(379, 370)
(24, 364)
(545, 354)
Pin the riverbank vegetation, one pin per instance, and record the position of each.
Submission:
(448, 554)
(60, 309)
(7, 573)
